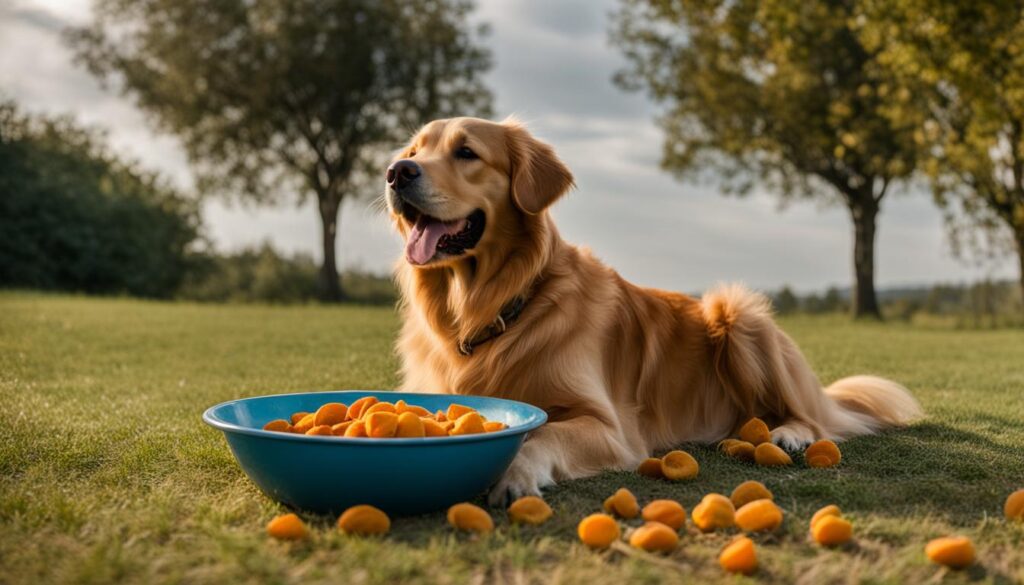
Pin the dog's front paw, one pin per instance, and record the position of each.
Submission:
(524, 477)
(792, 436)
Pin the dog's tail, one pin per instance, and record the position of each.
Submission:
(764, 373)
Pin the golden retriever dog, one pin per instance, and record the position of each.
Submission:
(496, 303)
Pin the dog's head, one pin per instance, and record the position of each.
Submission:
(462, 184)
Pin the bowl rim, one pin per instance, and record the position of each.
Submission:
(537, 418)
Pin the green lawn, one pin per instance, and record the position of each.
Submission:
(108, 474)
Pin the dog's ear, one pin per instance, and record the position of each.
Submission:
(538, 176)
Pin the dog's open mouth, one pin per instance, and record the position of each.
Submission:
(432, 238)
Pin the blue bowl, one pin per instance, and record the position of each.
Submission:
(399, 476)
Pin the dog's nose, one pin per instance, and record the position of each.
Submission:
(401, 173)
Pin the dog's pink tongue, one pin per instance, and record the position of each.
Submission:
(426, 234)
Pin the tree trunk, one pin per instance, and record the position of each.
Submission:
(1020, 258)
(330, 284)
(865, 303)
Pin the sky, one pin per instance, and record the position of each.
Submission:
(553, 69)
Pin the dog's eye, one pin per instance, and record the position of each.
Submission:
(465, 153)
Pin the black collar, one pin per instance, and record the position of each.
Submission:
(508, 315)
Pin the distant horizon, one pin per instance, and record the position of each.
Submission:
(553, 68)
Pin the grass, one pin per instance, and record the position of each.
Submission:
(107, 473)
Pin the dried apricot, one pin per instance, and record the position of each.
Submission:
(830, 510)
(304, 424)
(651, 467)
(322, 430)
(355, 410)
(654, 537)
(410, 425)
(339, 429)
(492, 426)
(831, 531)
(470, 423)
(749, 491)
(470, 518)
(677, 465)
(956, 552)
(738, 449)
(622, 503)
(381, 425)
(598, 530)
(1014, 507)
(759, 516)
(457, 410)
(330, 414)
(439, 416)
(823, 453)
(287, 527)
(713, 512)
(298, 416)
(755, 432)
(280, 425)
(378, 407)
(356, 429)
(529, 510)
(669, 512)
(365, 520)
(432, 428)
(739, 556)
(770, 455)
(402, 406)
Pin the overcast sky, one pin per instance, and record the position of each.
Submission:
(553, 68)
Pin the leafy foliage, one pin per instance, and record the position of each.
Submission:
(297, 97)
(75, 218)
(782, 93)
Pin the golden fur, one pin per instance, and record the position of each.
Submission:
(622, 370)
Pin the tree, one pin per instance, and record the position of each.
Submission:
(782, 92)
(966, 60)
(75, 217)
(785, 301)
(301, 96)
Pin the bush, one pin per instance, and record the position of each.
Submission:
(75, 218)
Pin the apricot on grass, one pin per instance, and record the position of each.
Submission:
(956, 552)
(759, 516)
(770, 455)
(470, 518)
(739, 556)
(365, 520)
(831, 530)
(598, 530)
(280, 425)
(654, 537)
(738, 449)
(830, 510)
(755, 432)
(410, 425)
(287, 527)
(529, 510)
(669, 512)
(470, 423)
(749, 491)
(713, 512)
(381, 425)
(651, 467)
(330, 414)
(622, 503)
(679, 465)
(1014, 507)
(823, 453)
